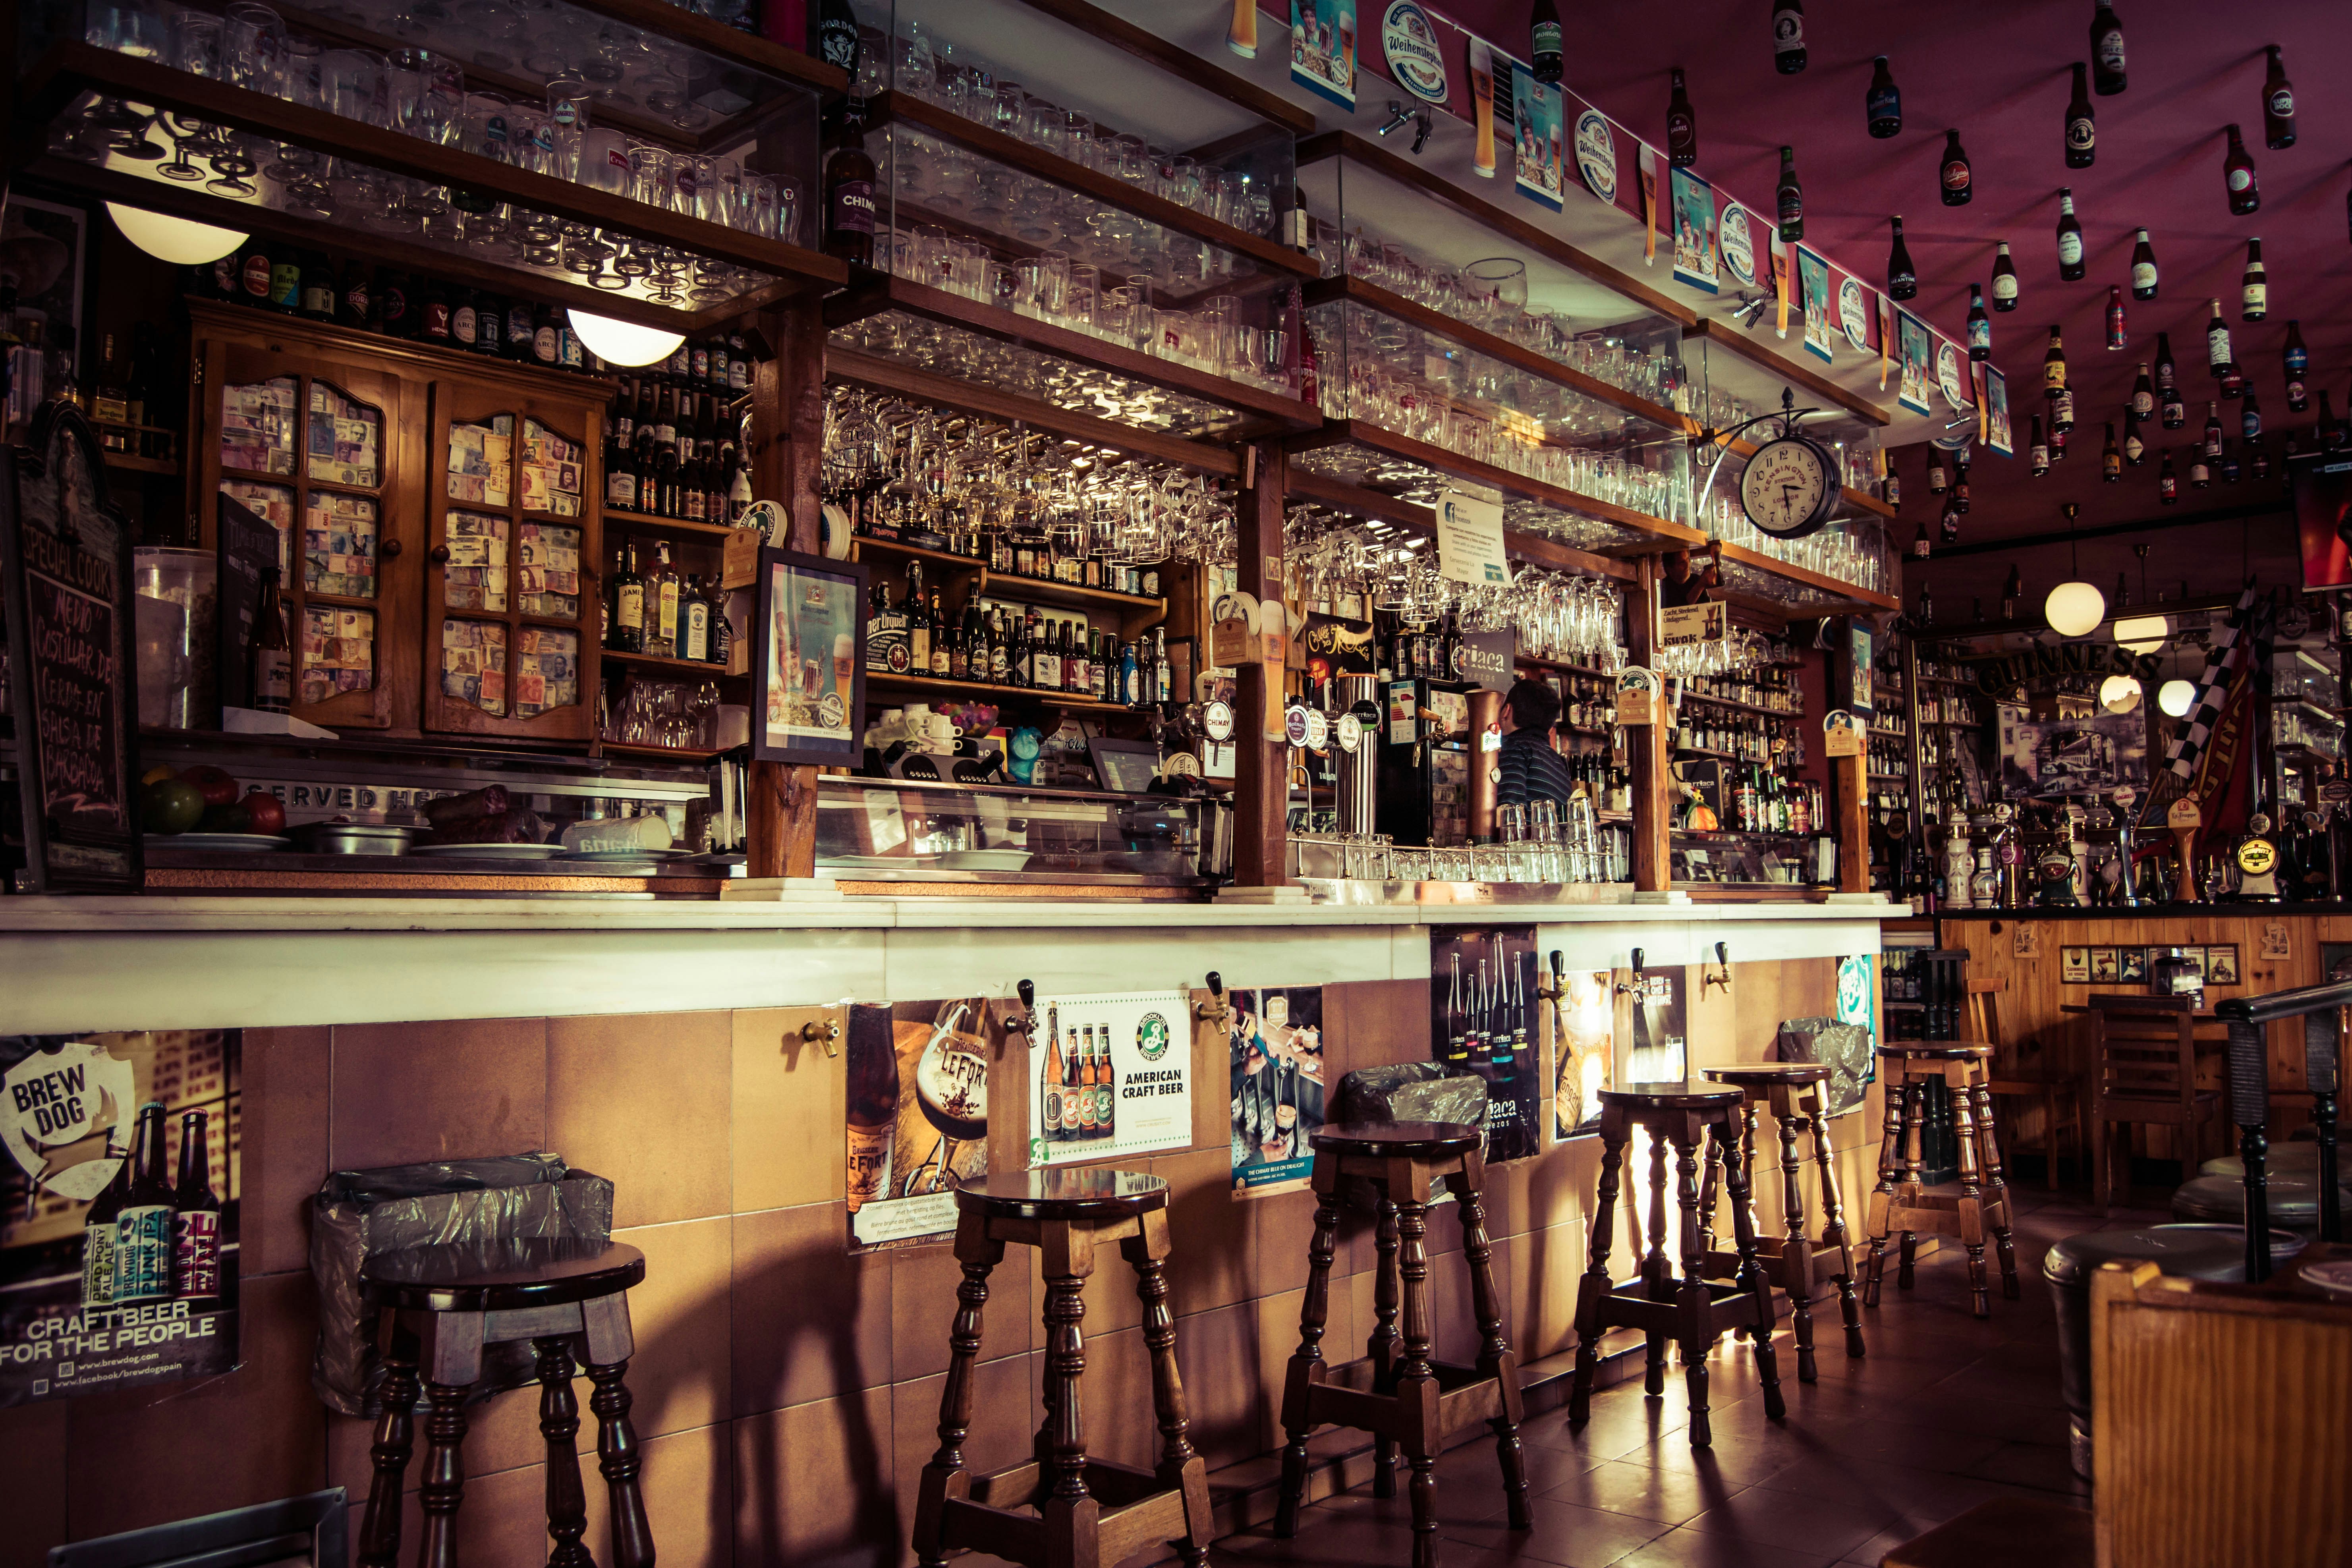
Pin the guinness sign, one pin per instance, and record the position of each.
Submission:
(2039, 666)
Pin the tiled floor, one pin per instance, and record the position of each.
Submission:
(1944, 1413)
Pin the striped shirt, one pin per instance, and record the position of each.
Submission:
(1531, 768)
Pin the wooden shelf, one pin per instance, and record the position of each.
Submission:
(978, 578)
(1372, 296)
(1273, 408)
(1846, 593)
(684, 669)
(133, 463)
(645, 522)
(986, 692)
(1739, 707)
(685, 756)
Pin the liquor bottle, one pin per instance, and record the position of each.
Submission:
(738, 490)
(1046, 659)
(2250, 416)
(2118, 332)
(2143, 266)
(916, 610)
(2054, 366)
(2278, 106)
(2004, 278)
(661, 605)
(2143, 395)
(2218, 357)
(1681, 125)
(1938, 480)
(2107, 50)
(849, 192)
(546, 344)
(101, 1233)
(2135, 448)
(625, 632)
(2238, 180)
(436, 325)
(465, 319)
(142, 1230)
(1882, 103)
(1788, 36)
(1954, 173)
(2070, 239)
(2081, 130)
(1544, 40)
(2201, 470)
(723, 633)
(943, 634)
(694, 622)
(272, 655)
(1980, 325)
(2168, 481)
(1902, 278)
(837, 39)
(2296, 360)
(2111, 461)
(621, 468)
(522, 330)
(1791, 199)
(872, 1071)
(195, 1227)
(1049, 1082)
(318, 288)
(352, 298)
(2253, 285)
(489, 325)
(2038, 454)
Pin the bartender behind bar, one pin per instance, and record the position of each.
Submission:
(1531, 769)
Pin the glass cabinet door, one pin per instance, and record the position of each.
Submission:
(513, 611)
(308, 446)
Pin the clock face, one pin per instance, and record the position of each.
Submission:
(1787, 488)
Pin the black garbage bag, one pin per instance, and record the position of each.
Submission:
(1843, 1048)
(1407, 1091)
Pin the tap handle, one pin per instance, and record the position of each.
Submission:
(1559, 972)
(1637, 964)
(1028, 995)
(1216, 986)
(1723, 953)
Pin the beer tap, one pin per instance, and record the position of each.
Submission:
(1553, 990)
(1025, 1022)
(1216, 1010)
(1723, 962)
(1398, 117)
(827, 1034)
(1640, 987)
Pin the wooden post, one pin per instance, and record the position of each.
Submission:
(788, 435)
(1654, 776)
(1262, 780)
(1853, 823)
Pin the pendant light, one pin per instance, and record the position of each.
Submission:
(2075, 608)
(2141, 634)
(622, 342)
(2174, 697)
(177, 240)
(2119, 693)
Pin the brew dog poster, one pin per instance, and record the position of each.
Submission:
(917, 1105)
(1483, 995)
(118, 1210)
(1109, 1075)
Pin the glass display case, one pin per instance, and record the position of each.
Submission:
(911, 830)
(1707, 859)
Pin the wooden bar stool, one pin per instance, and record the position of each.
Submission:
(1689, 1309)
(1396, 1392)
(1901, 1202)
(1795, 1262)
(439, 1308)
(1089, 1512)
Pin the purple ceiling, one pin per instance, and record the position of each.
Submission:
(1999, 71)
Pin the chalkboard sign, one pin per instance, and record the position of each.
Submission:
(248, 547)
(65, 592)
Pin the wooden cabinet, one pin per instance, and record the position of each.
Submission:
(439, 521)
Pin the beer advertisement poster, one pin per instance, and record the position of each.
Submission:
(1275, 1044)
(1584, 1050)
(1819, 304)
(2001, 432)
(1694, 235)
(1659, 1050)
(1911, 392)
(1482, 998)
(1539, 166)
(119, 1209)
(917, 1112)
(1109, 1075)
(1323, 48)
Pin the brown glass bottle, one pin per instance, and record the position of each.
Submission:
(849, 192)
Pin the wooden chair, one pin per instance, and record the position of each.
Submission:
(2053, 1080)
(2144, 1071)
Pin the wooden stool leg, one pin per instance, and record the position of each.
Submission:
(1416, 1380)
(1996, 1181)
(618, 1460)
(1971, 1212)
(1914, 1163)
(1071, 1514)
(559, 1424)
(1306, 1361)
(944, 1477)
(1898, 1098)
(1494, 1357)
(1746, 1148)
(380, 1525)
(1796, 1248)
(1179, 1468)
(1657, 1272)
(1382, 1346)
(1768, 1363)
(1833, 1219)
(443, 1487)
(1691, 1295)
(1593, 1290)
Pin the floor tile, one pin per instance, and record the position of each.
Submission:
(1831, 1524)
(1690, 1549)
(1644, 1491)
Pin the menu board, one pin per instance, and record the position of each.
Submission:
(65, 594)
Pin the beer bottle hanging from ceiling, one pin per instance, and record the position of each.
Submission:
(2107, 50)
(2118, 334)
(2296, 360)
(2238, 180)
(2082, 128)
(1788, 36)
(1956, 176)
(1882, 103)
(1682, 124)
(2143, 266)
(2254, 285)
(2070, 239)
(1544, 40)
(2278, 105)
(1902, 278)
(1980, 325)
(1790, 199)
(2004, 278)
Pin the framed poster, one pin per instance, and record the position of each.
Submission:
(2000, 433)
(47, 246)
(917, 1112)
(65, 598)
(2321, 484)
(1861, 649)
(1323, 48)
(1918, 352)
(2050, 759)
(1110, 1074)
(1483, 995)
(2075, 965)
(1584, 1051)
(2131, 965)
(1537, 168)
(1820, 309)
(808, 660)
(1658, 1050)
(1693, 205)
(1275, 1047)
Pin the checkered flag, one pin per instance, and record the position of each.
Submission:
(2223, 660)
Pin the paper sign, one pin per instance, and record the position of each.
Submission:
(1110, 1074)
(1842, 734)
(1637, 696)
(1470, 536)
(1688, 625)
(2184, 814)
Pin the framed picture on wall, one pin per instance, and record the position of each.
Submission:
(2221, 965)
(808, 660)
(2196, 957)
(2075, 965)
(2103, 969)
(2131, 965)
(2336, 961)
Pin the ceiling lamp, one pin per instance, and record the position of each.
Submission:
(2143, 633)
(2174, 697)
(2075, 609)
(622, 342)
(173, 240)
(2119, 693)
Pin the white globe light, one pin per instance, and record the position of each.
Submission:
(2119, 693)
(622, 342)
(2075, 609)
(173, 240)
(2143, 633)
(2174, 697)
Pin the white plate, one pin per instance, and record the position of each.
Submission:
(250, 843)
(489, 851)
(640, 855)
(2334, 1275)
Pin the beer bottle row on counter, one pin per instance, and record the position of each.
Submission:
(147, 1237)
(1080, 1087)
(950, 531)
(663, 612)
(998, 645)
(1762, 800)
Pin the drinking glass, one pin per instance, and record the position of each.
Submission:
(128, 26)
(568, 115)
(428, 95)
(1502, 280)
(252, 35)
(196, 43)
(649, 175)
(694, 187)
(603, 157)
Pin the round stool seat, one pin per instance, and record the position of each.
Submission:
(501, 1276)
(2292, 1200)
(1768, 1075)
(1394, 1140)
(1093, 1192)
(2301, 1159)
(1692, 1094)
(1935, 1051)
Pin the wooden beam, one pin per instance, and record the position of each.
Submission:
(1645, 745)
(1853, 823)
(787, 452)
(1262, 773)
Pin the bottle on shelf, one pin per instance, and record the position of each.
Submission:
(694, 622)
(621, 467)
(661, 605)
(626, 628)
(849, 209)
(272, 653)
